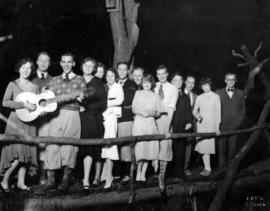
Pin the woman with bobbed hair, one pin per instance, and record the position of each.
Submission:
(92, 113)
(22, 155)
(114, 100)
(101, 71)
(146, 106)
(207, 111)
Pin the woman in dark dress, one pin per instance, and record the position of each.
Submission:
(92, 120)
(182, 122)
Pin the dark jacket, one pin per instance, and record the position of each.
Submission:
(129, 88)
(232, 109)
(182, 114)
(42, 82)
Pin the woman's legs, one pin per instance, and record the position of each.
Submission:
(104, 171)
(7, 174)
(206, 162)
(87, 164)
(98, 165)
(109, 176)
(143, 172)
(21, 177)
(139, 170)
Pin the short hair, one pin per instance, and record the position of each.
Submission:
(44, 53)
(191, 76)
(89, 59)
(160, 67)
(137, 68)
(120, 63)
(230, 73)
(113, 70)
(23, 61)
(68, 54)
(149, 78)
(176, 74)
(99, 64)
(205, 80)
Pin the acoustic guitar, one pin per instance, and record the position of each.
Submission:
(45, 102)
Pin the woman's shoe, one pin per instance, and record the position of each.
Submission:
(4, 190)
(86, 187)
(109, 186)
(96, 182)
(205, 173)
(26, 189)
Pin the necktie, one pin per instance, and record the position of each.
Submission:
(190, 97)
(160, 92)
(66, 78)
(42, 76)
(230, 90)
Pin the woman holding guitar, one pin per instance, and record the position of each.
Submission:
(21, 155)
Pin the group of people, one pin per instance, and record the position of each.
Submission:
(123, 103)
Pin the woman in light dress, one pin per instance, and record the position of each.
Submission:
(113, 111)
(207, 111)
(18, 155)
(146, 106)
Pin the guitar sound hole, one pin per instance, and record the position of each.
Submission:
(43, 103)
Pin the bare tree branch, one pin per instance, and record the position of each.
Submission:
(258, 49)
(237, 54)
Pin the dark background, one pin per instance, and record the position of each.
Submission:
(190, 36)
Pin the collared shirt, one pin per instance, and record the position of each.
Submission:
(230, 93)
(189, 93)
(70, 75)
(39, 74)
(170, 95)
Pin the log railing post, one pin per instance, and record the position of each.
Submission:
(132, 169)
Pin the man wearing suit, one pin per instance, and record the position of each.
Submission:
(232, 113)
(42, 80)
(125, 122)
(189, 86)
(182, 122)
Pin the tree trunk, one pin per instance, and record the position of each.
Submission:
(125, 30)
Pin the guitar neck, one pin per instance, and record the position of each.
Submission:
(72, 96)
(63, 98)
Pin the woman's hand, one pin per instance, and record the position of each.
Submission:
(188, 126)
(43, 113)
(199, 118)
(80, 97)
(29, 106)
(217, 132)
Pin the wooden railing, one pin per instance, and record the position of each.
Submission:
(132, 140)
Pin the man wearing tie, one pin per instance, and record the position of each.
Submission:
(125, 122)
(189, 86)
(65, 123)
(232, 113)
(42, 80)
(169, 95)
